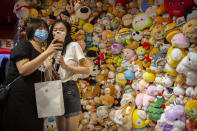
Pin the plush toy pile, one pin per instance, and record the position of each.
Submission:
(143, 60)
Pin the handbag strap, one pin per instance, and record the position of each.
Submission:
(14, 80)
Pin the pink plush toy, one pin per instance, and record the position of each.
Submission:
(143, 100)
(180, 41)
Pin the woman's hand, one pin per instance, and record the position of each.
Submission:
(60, 60)
(54, 47)
(56, 75)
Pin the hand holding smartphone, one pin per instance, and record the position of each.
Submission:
(60, 36)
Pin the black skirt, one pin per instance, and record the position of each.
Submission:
(71, 99)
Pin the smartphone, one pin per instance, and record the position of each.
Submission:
(60, 35)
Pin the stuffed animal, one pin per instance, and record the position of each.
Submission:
(141, 21)
(142, 100)
(188, 67)
(82, 12)
(120, 79)
(116, 48)
(175, 55)
(190, 110)
(166, 80)
(191, 92)
(50, 124)
(128, 99)
(22, 10)
(170, 30)
(102, 112)
(189, 29)
(107, 100)
(180, 41)
(137, 35)
(139, 119)
(173, 119)
(157, 32)
(179, 95)
(177, 7)
(148, 76)
(127, 20)
(123, 35)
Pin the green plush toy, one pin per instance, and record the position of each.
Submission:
(156, 109)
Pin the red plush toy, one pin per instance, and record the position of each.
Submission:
(177, 7)
(123, 2)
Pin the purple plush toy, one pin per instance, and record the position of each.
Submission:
(116, 48)
(173, 119)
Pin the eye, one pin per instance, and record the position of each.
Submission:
(138, 32)
(181, 3)
(193, 111)
(138, 122)
(133, 34)
(171, 3)
(189, 59)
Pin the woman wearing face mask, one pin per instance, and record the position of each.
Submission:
(72, 63)
(30, 61)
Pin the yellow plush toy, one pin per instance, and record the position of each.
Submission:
(175, 55)
(139, 119)
(170, 70)
(120, 79)
(171, 30)
(33, 13)
(88, 28)
(148, 77)
(191, 109)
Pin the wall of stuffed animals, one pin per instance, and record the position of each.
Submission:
(143, 58)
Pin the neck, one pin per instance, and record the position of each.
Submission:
(37, 45)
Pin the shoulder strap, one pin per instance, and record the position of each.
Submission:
(14, 80)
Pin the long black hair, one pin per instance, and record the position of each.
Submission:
(67, 39)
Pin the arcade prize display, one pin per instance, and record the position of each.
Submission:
(143, 56)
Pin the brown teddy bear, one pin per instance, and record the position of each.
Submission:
(190, 29)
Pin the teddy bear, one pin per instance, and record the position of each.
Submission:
(187, 66)
(189, 29)
(157, 32)
(143, 99)
(107, 100)
(109, 90)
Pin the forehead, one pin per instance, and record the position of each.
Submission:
(60, 25)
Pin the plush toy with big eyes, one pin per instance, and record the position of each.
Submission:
(177, 7)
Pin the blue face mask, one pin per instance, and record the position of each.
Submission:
(41, 35)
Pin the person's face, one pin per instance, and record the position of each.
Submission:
(59, 27)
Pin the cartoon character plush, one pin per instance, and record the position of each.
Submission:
(123, 35)
(177, 7)
(190, 29)
(50, 124)
(137, 35)
(82, 12)
(141, 21)
(173, 119)
(139, 119)
(191, 112)
(188, 66)
(120, 79)
(174, 56)
(179, 95)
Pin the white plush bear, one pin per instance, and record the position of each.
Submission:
(188, 66)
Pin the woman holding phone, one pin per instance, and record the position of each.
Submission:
(72, 63)
(29, 61)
